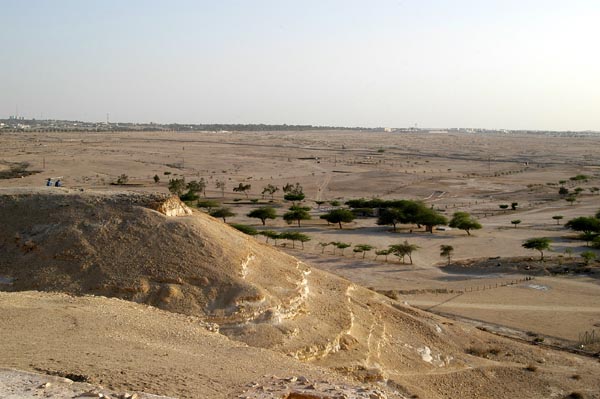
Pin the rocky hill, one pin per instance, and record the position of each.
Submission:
(153, 250)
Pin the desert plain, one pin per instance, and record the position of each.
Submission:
(492, 286)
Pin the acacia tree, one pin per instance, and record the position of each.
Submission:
(323, 246)
(222, 213)
(341, 246)
(404, 249)
(193, 187)
(391, 216)
(242, 188)
(364, 248)
(557, 218)
(294, 197)
(220, 184)
(383, 252)
(297, 213)
(269, 189)
(464, 221)
(585, 224)
(539, 244)
(293, 193)
(270, 234)
(430, 218)
(446, 251)
(515, 222)
(339, 216)
(263, 213)
(176, 186)
(294, 236)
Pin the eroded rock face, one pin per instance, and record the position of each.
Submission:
(171, 206)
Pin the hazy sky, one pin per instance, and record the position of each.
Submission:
(454, 63)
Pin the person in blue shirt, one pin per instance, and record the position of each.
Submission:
(49, 182)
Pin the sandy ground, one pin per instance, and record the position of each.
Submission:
(474, 173)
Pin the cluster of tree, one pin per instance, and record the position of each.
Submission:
(410, 212)
(401, 250)
(179, 187)
(589, 226)
(571, 197)
(292, 236)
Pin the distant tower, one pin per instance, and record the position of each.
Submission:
(107, 120)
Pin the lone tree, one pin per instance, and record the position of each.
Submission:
(539, 244)
(404, 249)
(263, 213)
(514, 206)
(269, 189)
(504, 207)
(222, 213)
(324, 245)
(464, 221)
(177, 186)
(296, 214)
(563, 191)
(242, 188)
(341, 246)
(557, 218)
(156, 179)
(515, 222)
(339, 216)
(446, 251)
(571, 199)
(220, 184)
(364, 248)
